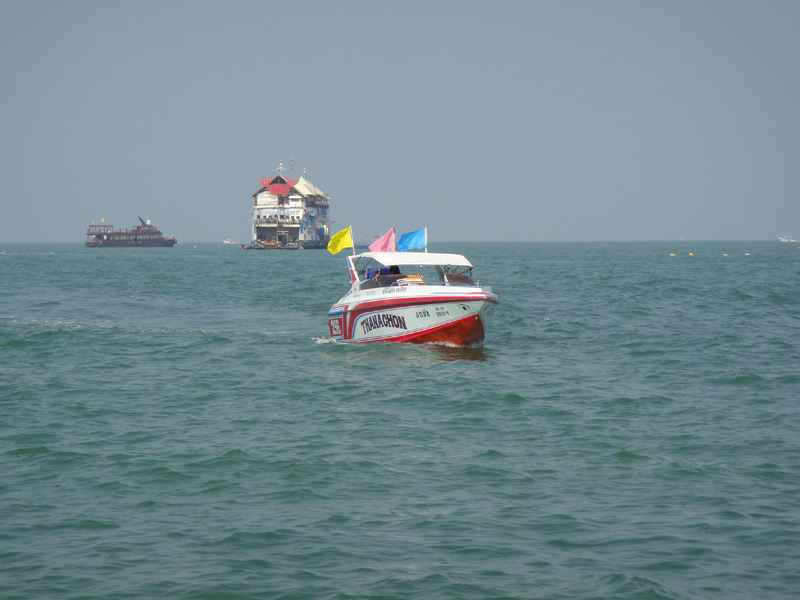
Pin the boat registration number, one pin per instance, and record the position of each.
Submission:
(336, 327)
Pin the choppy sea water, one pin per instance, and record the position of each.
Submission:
(174, 423)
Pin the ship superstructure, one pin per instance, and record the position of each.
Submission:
(289, 213)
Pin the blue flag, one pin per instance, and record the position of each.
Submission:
(413, 239)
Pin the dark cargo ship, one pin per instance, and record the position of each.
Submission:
(141, 236)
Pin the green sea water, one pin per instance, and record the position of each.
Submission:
(176, 424)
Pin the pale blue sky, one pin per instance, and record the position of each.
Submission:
(557, 120)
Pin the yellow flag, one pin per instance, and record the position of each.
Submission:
(343, 239)
(102, 220)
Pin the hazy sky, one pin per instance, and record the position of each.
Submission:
(517, 120)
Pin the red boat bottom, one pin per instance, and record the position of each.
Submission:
(466, 332)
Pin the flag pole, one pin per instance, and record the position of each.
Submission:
(352, 267)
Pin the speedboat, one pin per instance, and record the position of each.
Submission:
(412, 297)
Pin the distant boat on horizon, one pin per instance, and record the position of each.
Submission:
(145, 235)
(786, 239)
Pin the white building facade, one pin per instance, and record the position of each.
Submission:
(290, 213)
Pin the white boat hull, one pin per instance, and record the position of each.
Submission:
(404, 314)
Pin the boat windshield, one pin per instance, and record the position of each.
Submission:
(384, 269)
(380, 276)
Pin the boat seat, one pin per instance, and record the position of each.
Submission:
(373, 271)
(412, 279)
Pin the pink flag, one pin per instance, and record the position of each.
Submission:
(385, 243)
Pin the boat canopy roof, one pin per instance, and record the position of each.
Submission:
(412, 258)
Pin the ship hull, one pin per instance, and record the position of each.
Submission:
(166, 243)
(458, 320)
(277, 246)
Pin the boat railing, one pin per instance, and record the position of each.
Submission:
(278, 218)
